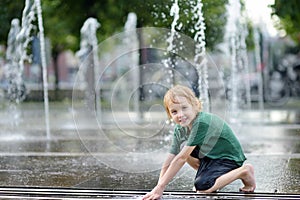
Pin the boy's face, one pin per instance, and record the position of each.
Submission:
(182, 112)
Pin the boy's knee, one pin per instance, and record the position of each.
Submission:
(247, 169)
(248, 166)
(202, 183)
(193, 162)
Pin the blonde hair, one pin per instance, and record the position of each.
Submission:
(182, 91)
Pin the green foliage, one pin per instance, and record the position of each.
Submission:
(64, 18)
(289, 14)
(9, 10)
(214, 12)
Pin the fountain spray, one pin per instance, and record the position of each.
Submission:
(88, 57)
(200, 55)
(44, 65)
(200, 50)
(169, 62)
(19, 39)
(236, 32)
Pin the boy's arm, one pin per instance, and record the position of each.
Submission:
(166, 164)
(175, 165)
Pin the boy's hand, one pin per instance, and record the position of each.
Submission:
(156, 193)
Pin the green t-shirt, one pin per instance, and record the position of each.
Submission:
(213, 136)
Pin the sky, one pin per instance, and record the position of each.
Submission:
(259, 12)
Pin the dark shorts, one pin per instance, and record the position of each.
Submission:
(211, 169)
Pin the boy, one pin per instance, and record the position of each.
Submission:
(204, 141)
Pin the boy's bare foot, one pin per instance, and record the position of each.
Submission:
(249, 179)
(247, 190)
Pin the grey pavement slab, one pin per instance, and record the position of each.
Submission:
(79, 193)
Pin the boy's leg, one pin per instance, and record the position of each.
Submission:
(210, 170)
(193, 162)
(249, 180)
(245, 173)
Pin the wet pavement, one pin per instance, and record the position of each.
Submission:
(79, 193)
(83, 155)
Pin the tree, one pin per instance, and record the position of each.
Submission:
(64, 18)
(214, 13)
(289, 15)
(8, 11)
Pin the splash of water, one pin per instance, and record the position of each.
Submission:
(88, 56)
(174, 12)
(13, 71)
(132, 45)
(200, 58)
(236, 32)
(169, 62)
(19, 39)
(44, 64)
(200, 50)
(258, 62)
